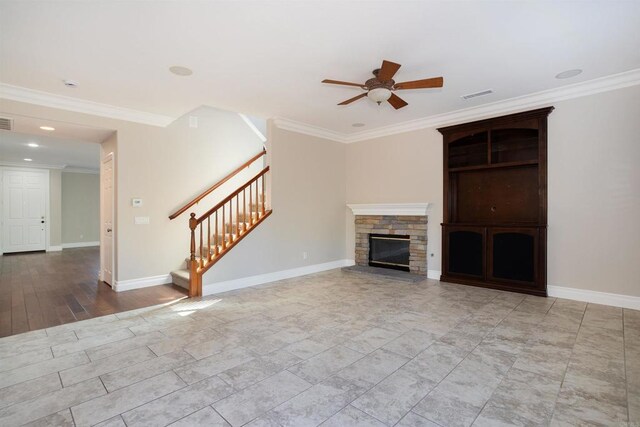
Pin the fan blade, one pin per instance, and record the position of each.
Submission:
(338, 82)
(420, 84)
(397, 102)
(387, 71)
(355, 98)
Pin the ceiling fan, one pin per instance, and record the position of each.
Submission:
(381, 87)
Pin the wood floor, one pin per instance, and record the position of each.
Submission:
(40, 290)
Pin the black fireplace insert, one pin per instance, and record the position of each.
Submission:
(389, 251)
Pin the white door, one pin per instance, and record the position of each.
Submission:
(24, 195)
(107, 220)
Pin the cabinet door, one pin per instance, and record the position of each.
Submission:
(513, 255)
(464, 249)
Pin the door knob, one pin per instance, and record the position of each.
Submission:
(109, 230)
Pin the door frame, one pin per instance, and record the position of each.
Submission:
(109, 157)
(47, 205)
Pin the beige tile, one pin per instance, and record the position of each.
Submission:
(28, 390)
(590, 404)
(104, 366)
(39, 369)
(372, 368)
(90, 342)
(124, 399)
(325, 364)
(257, 369)
(178, 404)
(141, 371)
(206, 417)
(213, 365)
(352, 417)
(59, 419)
(12, 362)
(126, 344)
(50, 403)
(253, 401)
(411, 343)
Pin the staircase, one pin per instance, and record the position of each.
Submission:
(218, 230)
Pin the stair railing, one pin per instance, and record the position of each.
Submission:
(208, 191)
(210, 242)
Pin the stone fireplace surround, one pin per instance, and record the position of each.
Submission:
(398, 218)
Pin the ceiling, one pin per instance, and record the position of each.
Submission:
(69, 146)
(267, 58)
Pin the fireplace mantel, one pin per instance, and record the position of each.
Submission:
(403, 209)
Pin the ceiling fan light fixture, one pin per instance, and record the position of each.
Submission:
(379, 95)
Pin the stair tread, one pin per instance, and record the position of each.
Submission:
(182, 273)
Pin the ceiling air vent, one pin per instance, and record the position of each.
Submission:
(475, 95)
(6, 123)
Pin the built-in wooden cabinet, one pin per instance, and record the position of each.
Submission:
(495, 202)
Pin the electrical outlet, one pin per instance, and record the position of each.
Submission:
(432, 255)
(305, 255)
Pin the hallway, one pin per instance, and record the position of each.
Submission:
(40, 290)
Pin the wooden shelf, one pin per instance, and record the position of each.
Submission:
(495, 166)
(495, 202)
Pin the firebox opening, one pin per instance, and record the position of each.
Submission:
(389, 251)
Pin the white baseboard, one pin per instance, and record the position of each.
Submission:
(144, 282)
(434, 274)
(604, 298)
(245, 282)
(54, 248)
(80, 245)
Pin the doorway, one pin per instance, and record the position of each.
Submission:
(25, 210)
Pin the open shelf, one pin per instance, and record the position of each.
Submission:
(471, 150)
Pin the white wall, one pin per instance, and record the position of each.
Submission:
(594, 188)
(403, 168)
(594, 193)
(80, 208)
(308, 201)
(55, 208)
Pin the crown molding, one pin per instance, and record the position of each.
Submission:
(31, 96)
(512, 105)
(303, 128)
(31, 165)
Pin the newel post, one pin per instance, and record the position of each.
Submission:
(193, 265)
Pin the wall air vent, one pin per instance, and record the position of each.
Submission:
(6, 123)
(475, 95)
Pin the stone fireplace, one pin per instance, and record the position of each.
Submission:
(406, 220)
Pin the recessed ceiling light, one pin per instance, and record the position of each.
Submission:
(180, 71)
(357, 125)
(568, 74)
(70, 83)
(33, 145)
(27, 160)
(49, 128)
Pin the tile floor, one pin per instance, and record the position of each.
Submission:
(335, 349)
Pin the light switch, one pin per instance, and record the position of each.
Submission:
(141, 220)
(136, 203)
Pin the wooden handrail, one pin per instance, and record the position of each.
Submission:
(233, 227)
(232, 195)
(217, 184)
